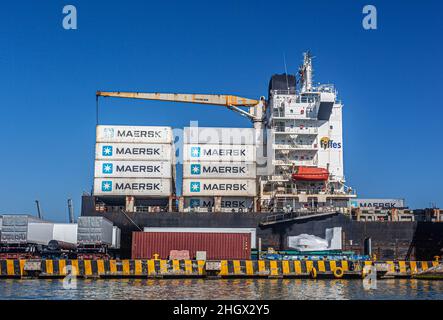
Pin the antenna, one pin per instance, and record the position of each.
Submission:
(286, 71)
(39, 212)
(70, 211)
(306, 72)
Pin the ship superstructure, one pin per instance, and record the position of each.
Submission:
(295, 152)
(305, 151)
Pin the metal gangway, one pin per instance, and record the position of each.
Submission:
(300, 214)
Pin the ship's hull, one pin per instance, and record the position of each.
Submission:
(390, 240)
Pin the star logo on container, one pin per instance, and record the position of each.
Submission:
(195, 152)
(109, 132)
(107, 168)
(107, 151)
(195, 203)
(195, 169)
(195, 186)
(106, 186)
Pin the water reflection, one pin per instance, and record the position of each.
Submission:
(231, 289)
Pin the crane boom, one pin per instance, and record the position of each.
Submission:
(213, 99)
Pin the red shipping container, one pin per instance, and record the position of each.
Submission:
(217, 245)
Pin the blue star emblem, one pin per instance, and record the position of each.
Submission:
(195, 203)
(107, 151)
(195, 186)
(195, 152)
(195, 168)
(106, 186)
(107, 168)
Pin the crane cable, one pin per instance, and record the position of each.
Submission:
(96, 110)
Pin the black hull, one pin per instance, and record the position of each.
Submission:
(390, 240)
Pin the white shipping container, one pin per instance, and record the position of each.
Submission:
(219, 187)
(15, 229)
(215, 152)
(94, 230)
(226, 202)
(132, 187)
(65, 232)
(219, 135)
(236, 170)
(40, 233)
(134, 134)
(378, 203)
(43, 232)
(133, 169)
(132, 151)
(251, 231)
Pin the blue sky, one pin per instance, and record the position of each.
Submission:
(389, 80)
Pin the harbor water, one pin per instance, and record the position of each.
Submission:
(235, 289)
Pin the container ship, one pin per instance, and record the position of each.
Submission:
(282, 177)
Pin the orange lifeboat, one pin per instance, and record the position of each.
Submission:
(310, 174)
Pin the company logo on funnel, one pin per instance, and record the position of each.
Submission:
(107, 168)
(195, 169)
(326, 143)
(195, 186)
(106, 186)
(107, 151)
(195, 152)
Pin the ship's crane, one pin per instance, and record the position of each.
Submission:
(255, 111)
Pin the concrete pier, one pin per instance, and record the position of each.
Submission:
(192, 268)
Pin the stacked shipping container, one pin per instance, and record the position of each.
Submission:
(219, 162)
(134, 161)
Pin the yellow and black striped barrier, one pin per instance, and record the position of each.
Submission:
(191, 268)
(282, 268)
(313, 269)
(102, 268)
(409, 268)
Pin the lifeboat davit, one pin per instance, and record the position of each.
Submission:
(310, 174)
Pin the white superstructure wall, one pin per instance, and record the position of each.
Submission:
(330, 152)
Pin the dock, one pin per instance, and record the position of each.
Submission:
(433, 273)
(151, 268)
